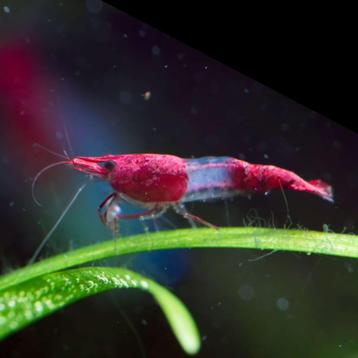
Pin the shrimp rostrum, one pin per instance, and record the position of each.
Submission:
(156, 182)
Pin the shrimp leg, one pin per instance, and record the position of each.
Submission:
(109, 212)
(105, 204)
(181, 210)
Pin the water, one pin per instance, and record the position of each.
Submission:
(76, 83)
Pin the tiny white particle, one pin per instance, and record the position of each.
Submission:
(146, 95)
(144, 284)
(282, 304)
(155, 50)
(6, 9)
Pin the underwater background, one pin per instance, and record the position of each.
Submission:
(85, 78)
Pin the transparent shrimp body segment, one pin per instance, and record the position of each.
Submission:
(210, 178)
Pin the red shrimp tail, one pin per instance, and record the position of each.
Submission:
(264, 178)
(323, 189)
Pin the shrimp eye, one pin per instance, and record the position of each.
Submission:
(109, 165)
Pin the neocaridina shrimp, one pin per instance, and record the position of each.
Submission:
(156, 182)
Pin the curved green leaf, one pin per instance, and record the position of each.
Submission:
(246, 237)
(29, 301)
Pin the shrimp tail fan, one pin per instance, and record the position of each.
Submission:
(325, 190)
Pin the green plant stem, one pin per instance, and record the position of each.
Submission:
(29, 301)
(247, 237)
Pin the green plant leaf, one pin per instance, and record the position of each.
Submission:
(29, 301)
(245, 238)
(179, 318)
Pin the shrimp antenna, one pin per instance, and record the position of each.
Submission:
(39, 174)
(54, 227)
(37, 145)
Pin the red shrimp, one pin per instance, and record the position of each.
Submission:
(156, 182)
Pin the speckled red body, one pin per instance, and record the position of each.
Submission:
(263, 178)
(161, 178)
(150, 177)
(145, 178)
(159, 181)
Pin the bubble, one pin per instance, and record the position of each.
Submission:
(38, 306)
(6, 9)
(246, 292)
(282, 304)
(155, 50)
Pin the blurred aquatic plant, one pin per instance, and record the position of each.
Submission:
(37, 290)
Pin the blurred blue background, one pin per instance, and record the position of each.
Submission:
(74, 77)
